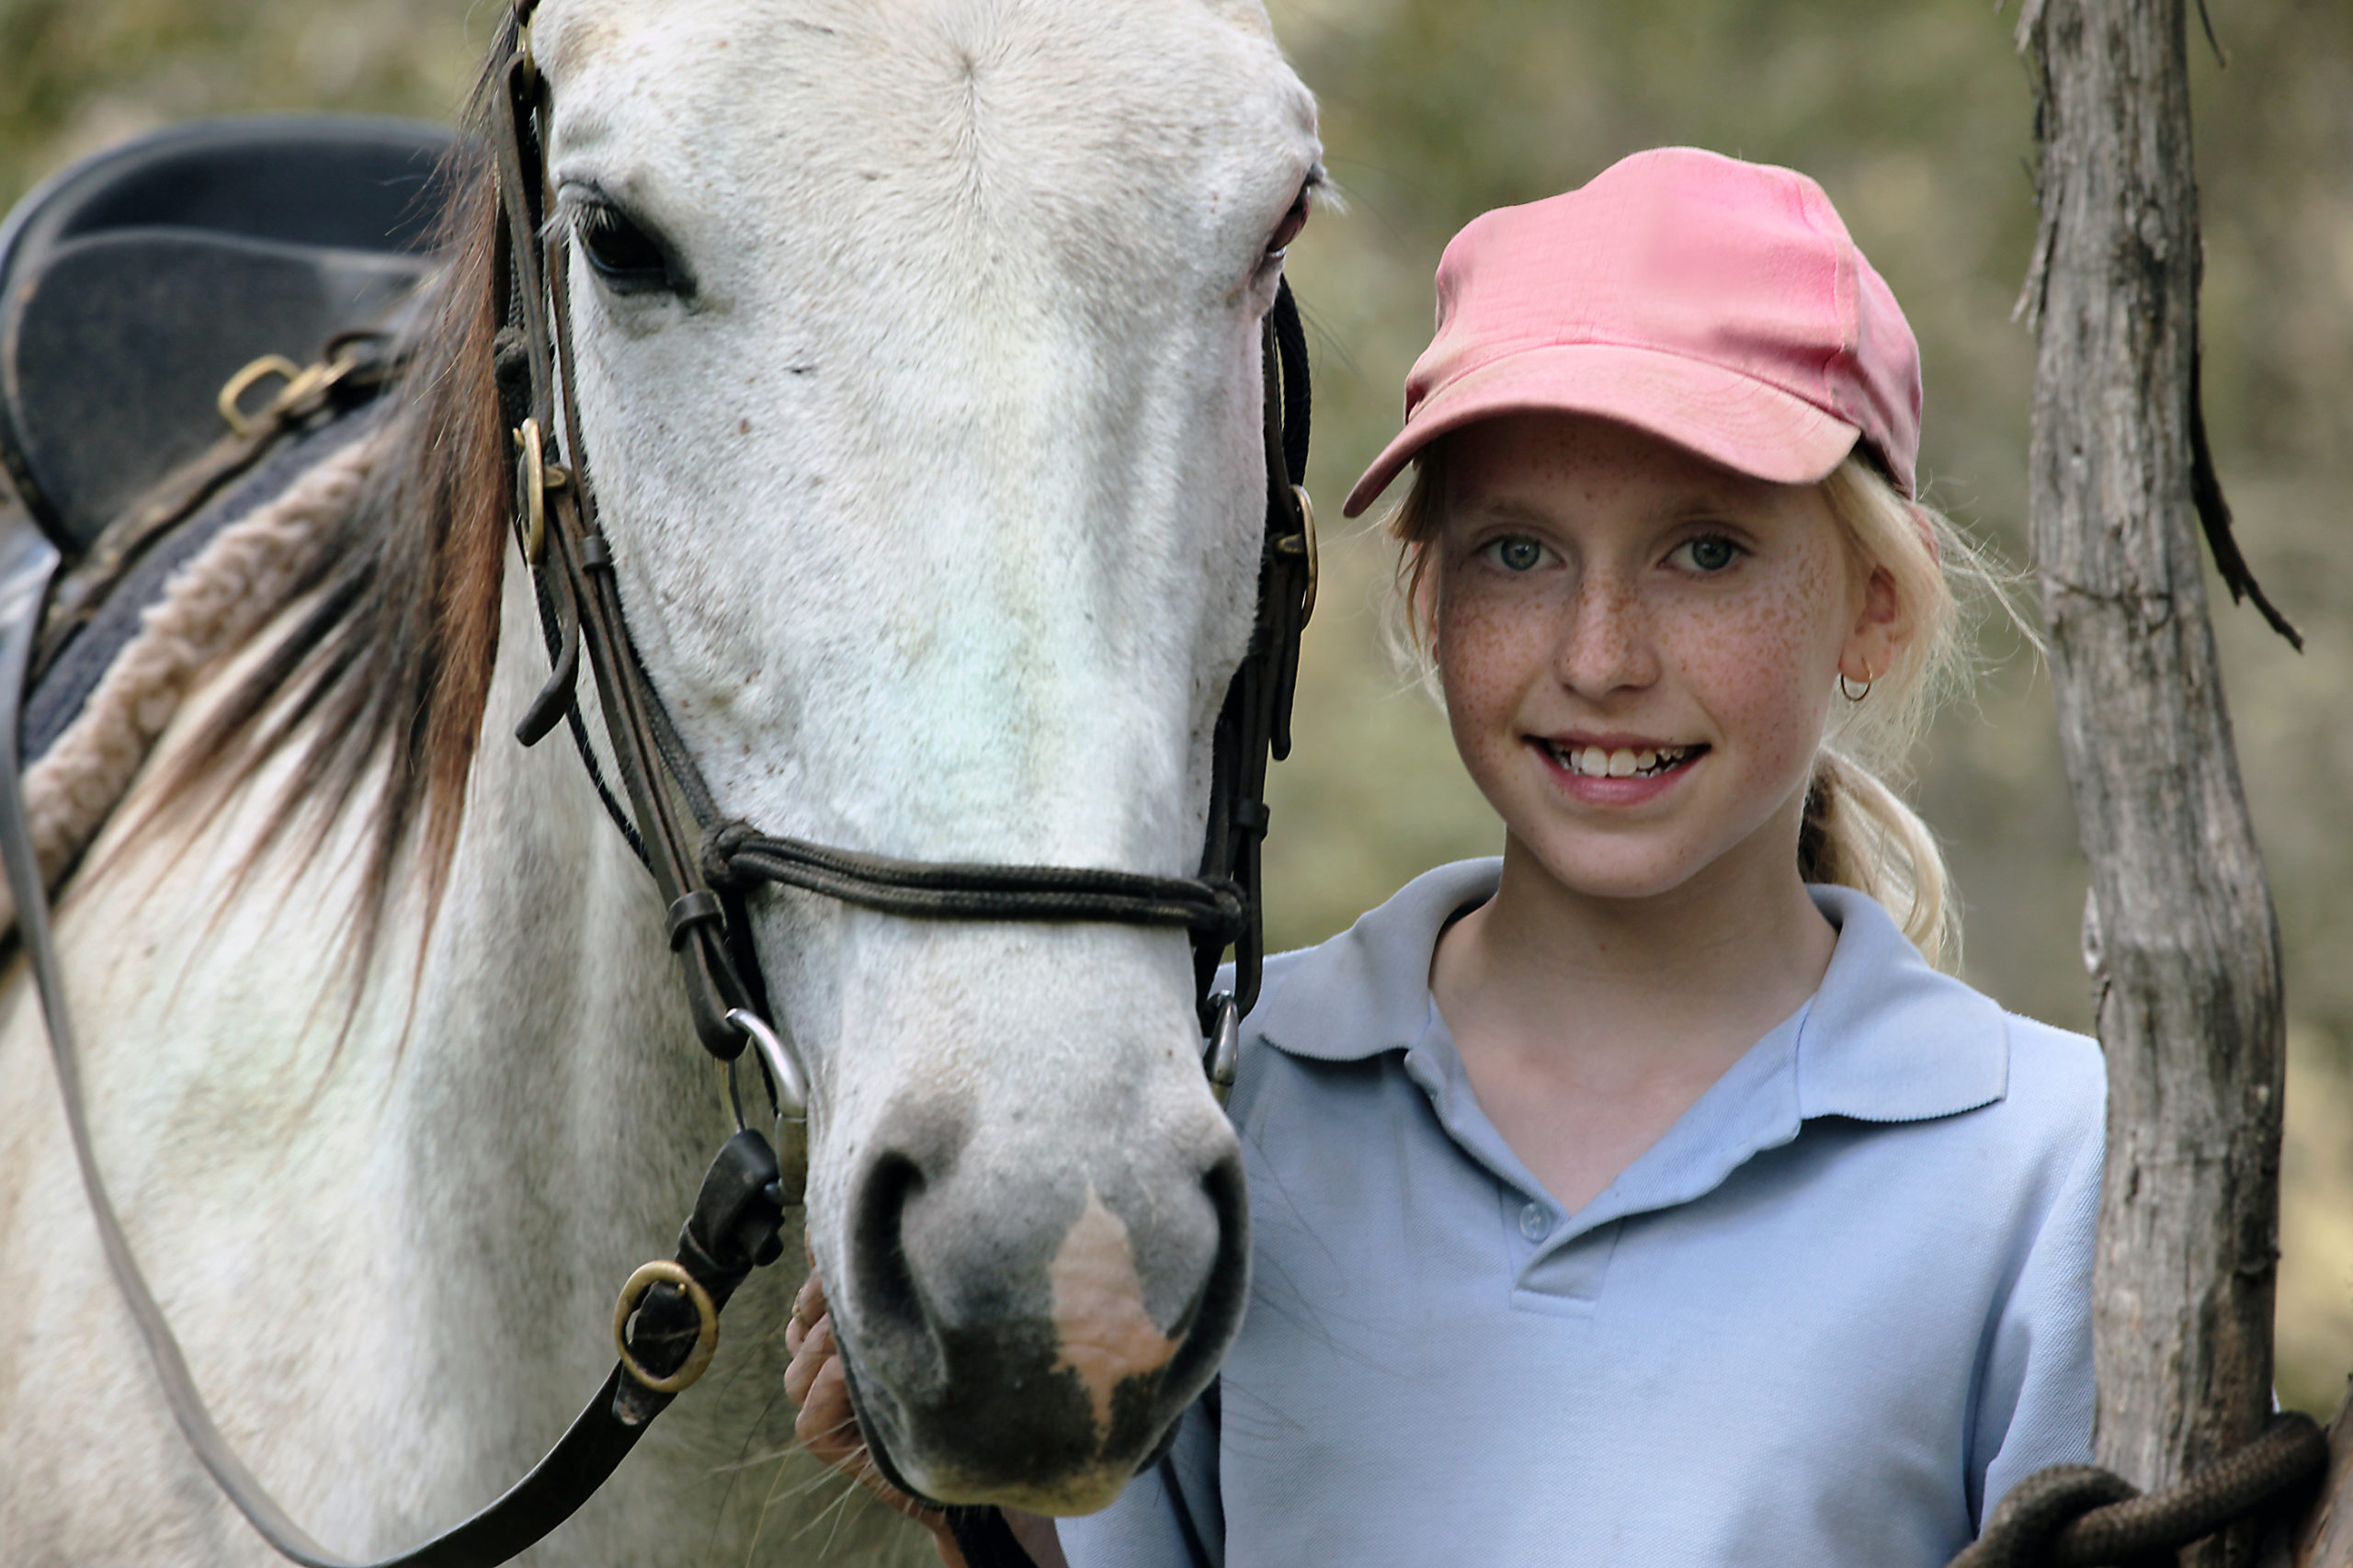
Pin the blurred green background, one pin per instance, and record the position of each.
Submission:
(1914, 114)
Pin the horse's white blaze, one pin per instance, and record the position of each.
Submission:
(936, 511)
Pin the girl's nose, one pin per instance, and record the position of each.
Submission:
(1607, 644)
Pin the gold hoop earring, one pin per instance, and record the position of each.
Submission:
(1846, 687)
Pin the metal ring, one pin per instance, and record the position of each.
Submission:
(661, 1271)
(734, 1081)
(792, 1088)
(301, 383)
(243, 381)
(1307, 520)
(1222, 1054)
(531, 478)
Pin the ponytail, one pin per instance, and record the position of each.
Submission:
(1856, 832)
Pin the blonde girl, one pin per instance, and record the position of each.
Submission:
(1648, 1195)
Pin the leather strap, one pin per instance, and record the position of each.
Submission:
(577, 566)
(985, 1540)
(736, 854)
(733, 1227)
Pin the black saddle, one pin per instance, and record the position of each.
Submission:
(137, 282)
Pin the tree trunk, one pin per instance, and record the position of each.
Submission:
(2178, 930)
(2324, 1537)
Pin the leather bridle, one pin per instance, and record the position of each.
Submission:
(704, 865)
(666, 1324)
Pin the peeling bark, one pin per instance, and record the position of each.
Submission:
(2180, 934)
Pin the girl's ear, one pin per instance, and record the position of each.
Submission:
(1881, 630)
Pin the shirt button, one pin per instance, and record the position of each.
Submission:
(1534, 1223)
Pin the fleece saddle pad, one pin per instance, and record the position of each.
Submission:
(132, 287)
(62, 687)
(115, 681)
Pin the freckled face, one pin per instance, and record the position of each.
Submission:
(1638, 649)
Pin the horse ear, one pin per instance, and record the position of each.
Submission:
(1250, 15)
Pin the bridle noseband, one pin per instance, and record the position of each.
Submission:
(667, 1323)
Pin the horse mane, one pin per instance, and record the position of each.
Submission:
(389, 665)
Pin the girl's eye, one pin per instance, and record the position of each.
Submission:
(1709, 555)
(1518, 554)
(624, 254)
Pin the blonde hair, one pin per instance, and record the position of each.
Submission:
(1856, 831)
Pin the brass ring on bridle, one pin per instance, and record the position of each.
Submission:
(664, 1272)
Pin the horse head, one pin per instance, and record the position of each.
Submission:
(916, 351)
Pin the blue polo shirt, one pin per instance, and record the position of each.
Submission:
(1838, 1310)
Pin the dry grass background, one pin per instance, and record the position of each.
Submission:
(1914, 114)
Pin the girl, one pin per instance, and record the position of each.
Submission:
(1647, 1195)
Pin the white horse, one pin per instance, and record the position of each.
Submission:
(930, 450)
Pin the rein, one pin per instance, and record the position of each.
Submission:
(666, 1324)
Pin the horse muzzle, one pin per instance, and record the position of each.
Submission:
(1030, 1338)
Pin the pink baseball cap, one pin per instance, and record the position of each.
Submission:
(1715, 303)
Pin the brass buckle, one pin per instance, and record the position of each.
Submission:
(664, 1272)
(535, 476)
(301, 383)
(237, 386)
(1304, 545)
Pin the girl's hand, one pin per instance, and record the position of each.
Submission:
(827, 1427)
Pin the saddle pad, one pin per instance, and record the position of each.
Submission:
(62, 689)
(94, 714)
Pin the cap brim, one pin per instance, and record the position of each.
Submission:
(1744, 424)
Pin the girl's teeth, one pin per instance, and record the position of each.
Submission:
(1592, 762)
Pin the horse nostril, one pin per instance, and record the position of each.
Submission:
(1216, 1312)
(889, 1306)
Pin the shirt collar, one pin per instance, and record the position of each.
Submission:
(1885, 1039)
(1889, 1039)
(1368, 989)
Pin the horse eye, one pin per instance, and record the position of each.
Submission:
(1288, 230)
(624, 254)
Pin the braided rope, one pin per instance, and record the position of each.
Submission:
(736, 856)
(2079, 1516)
